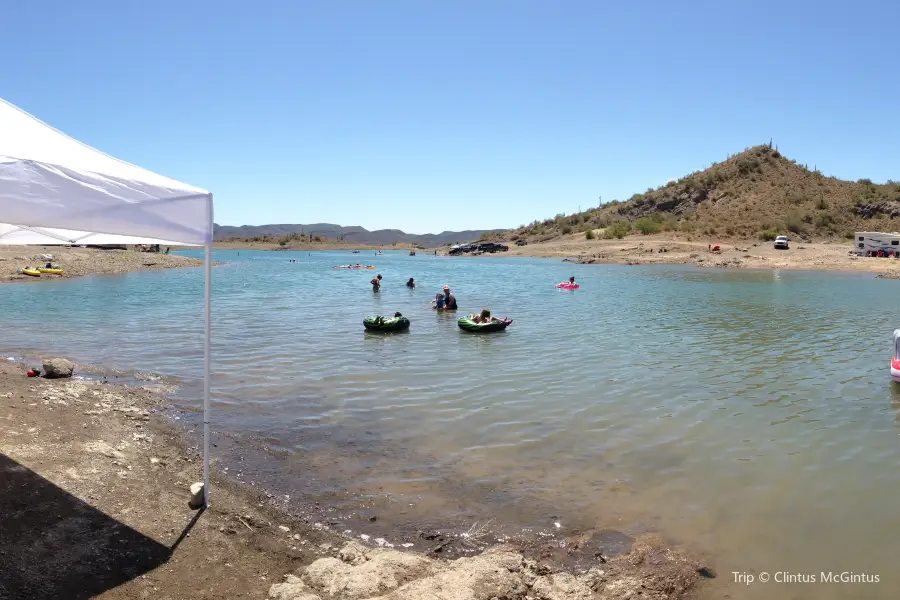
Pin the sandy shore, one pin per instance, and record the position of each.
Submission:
(95, 496)
(649, 250)
(77, 262)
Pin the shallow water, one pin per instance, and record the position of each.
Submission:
(746, 414)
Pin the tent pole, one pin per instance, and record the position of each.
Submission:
(206, 356)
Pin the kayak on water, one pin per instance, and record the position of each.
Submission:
(468, 324)
(380, 323)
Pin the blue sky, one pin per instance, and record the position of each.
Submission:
(428, 116)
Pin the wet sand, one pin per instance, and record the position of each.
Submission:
(78, 262)
(97, 479)
(660, 249)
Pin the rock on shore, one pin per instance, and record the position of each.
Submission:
(649, 572)
(58, 368)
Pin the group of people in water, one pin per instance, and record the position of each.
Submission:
(444, 300)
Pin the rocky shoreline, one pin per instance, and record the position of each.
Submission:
(99, 478)
(78, 262)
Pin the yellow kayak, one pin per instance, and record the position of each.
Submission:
(51, 271)
(32, 272)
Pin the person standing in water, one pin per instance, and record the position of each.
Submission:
(411, 283)
(376, 283)
(449, 299)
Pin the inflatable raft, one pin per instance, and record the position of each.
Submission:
(895, 357)
(567, 286)
(467, 324)
(379, 323)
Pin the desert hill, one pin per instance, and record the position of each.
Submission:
(758, 193)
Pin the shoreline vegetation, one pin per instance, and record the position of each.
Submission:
(100, 478)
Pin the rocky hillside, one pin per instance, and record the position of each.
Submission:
(758, 193)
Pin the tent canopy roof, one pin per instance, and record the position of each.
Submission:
(56, 190)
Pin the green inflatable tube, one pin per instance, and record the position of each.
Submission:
(379, 323)
(467, 324)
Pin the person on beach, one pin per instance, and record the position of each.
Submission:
(411, 283)
(449, 299)
(376, 283)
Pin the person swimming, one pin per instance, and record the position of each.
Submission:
(572, 280)
(411, 283)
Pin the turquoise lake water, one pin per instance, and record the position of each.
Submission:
(746, 414)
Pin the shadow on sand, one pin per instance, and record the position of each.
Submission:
(53, 545)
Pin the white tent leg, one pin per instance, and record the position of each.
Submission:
(206, 362)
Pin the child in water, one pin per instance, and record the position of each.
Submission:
(438, 302)
(411, 283)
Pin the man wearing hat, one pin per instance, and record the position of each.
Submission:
(449, 299)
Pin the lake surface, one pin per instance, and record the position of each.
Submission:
(748, 415)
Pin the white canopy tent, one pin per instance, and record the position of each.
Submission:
(56, 190)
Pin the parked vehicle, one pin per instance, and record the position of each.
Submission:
(868, 243)
(521, 242)
(781, 242)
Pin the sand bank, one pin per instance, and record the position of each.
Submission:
(651, 250)
(77, 262)
(95, 505)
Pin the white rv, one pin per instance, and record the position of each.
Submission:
(874, 241)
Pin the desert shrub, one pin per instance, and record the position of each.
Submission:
(794, 223)
(669, 223)
(849, 235)
(864, 181)
(768, 235)
(566, 229)
(822, 204)
(589, 234)
(647, 226)
(617, 230)
(824, 220)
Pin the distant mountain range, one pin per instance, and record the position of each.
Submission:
(352, 234)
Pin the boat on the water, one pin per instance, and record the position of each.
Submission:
(895, 357)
